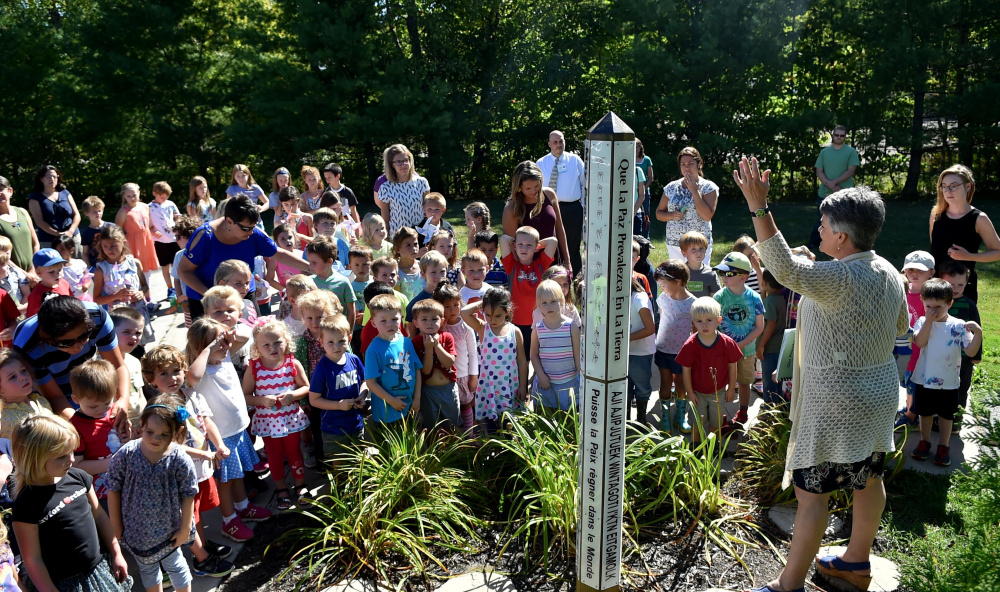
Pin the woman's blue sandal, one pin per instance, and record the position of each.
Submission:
(833, 566)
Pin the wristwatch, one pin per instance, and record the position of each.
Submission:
(760, 212)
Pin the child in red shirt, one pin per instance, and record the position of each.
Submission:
(439, 400)
(708, 359)
(525, 258)
(95, 386)
(48, 265)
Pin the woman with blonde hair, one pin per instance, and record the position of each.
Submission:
(958, 229)
(401, 197)
(532, 204)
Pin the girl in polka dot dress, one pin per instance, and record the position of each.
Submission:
(275, 383)
(503, 365)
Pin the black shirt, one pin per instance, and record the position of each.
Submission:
(67, 532)
(347, 195)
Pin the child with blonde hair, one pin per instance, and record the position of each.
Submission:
(212, 374)
(120, 279)
(200, 203)
(555, 350)
(373, 235)
(444, 242)
(61, 529)
(561, 276)
(242, 183)
(274, 385)
(313, 308)
(133, 218)
(18, 397)
(296, 286)
(12, 278)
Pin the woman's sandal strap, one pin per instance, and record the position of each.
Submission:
(835, 562)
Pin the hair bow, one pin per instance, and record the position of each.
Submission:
(261, 321)
(180, 414)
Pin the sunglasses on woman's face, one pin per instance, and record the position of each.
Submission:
(70, 343)
(732, 273)
(241, 227)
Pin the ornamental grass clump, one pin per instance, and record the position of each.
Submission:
(396, 504)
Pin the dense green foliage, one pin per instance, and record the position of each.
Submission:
(130, 90)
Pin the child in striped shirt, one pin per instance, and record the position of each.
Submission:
(555, 350)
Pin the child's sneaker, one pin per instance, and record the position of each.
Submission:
(218, 549)
(237, 531)
(922, 451)
(740, 418)
(253, 513)
(171, 293)
(942, 457)
(211, 567)
(903, 421)
(308, 457)
(262, 469)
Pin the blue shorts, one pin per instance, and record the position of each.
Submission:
(242, 457)
(559, 395)
(440, 403)
(667, 361)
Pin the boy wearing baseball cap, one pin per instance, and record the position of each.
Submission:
(48, 265)
(918, 267)
(742, 320)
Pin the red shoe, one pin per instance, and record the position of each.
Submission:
(741, 418)
(254, 513)
(237, 531)
(922, 451)
(943, 457)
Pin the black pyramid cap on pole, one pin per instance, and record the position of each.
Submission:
(610, 127)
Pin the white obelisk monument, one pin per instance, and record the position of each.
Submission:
(610, 164)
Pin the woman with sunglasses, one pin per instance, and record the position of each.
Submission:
(958, 229)
(65, 333)
(846, 386)
(401, 197)
(233, 236)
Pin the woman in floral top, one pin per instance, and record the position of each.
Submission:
(688, 203)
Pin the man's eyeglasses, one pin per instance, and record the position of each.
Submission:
(241, 227)
(732, 273)
(839, 135)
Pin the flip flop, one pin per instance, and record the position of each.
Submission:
(833, 566)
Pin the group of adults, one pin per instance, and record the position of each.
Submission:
(853, 307)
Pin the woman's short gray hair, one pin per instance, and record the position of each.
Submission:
(858, 212)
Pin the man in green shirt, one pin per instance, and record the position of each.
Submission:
(835, 168)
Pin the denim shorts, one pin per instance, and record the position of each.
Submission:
(667, 362)
(174, 564)
(559, 395)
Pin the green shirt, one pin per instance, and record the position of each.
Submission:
(834, 163)
(339, 285)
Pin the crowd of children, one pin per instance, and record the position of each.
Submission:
(382, 329)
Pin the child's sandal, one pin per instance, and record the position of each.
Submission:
(303, 493)
(833, 566)
(284, 500)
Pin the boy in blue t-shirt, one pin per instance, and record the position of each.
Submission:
(391, 365)
(337, 387)
(742, 320)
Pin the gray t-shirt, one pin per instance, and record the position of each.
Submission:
(774, 310)
(703, 282)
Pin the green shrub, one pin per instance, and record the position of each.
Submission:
(408, 500)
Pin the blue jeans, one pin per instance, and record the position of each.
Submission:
(640, 378)
(174, 564)
(559, 395)
(772, 389)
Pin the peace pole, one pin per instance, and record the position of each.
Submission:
(610, 163)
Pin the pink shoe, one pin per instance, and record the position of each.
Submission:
(254, 513)
(237, 531)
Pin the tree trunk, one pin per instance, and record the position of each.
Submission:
(916, 145)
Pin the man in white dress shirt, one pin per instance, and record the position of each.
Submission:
(564, 173)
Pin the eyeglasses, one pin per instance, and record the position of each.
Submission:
(241, 227)
(68, 343)
(401, 162)
(732, 273)
(839, 135)
(951, 188)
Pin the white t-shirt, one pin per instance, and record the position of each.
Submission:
(468, 293)
(224, 394)
(161, 217)
(647, 345)
(941, 359)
